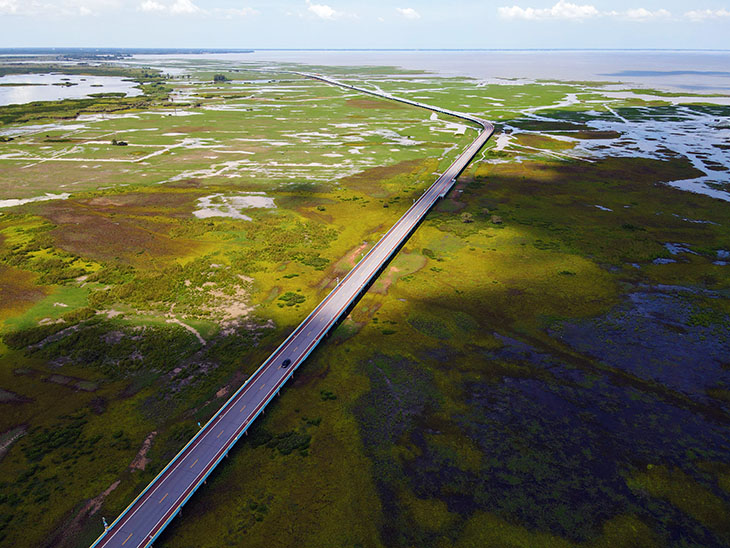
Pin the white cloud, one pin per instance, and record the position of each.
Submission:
(578, 12)
(151, 6)
(701, 15)
(230, 13)
(184, 7)
(561, 10)
(323, 11)
(408, 13)
(30, 8)
(643, 14)
(178, 7)
(9, 7)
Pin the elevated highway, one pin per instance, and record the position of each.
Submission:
(147, 516)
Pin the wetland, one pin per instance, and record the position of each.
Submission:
(544, 363)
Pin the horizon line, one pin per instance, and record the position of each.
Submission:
(61, 49)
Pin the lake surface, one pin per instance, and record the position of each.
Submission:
(693, 72)
(42, 87)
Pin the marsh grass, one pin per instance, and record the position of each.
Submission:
(382, 438)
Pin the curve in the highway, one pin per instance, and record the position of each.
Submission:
(146, 517)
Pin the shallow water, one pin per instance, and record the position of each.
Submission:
(42, 87)
(218, 205)
(659, 133)
(12, 202)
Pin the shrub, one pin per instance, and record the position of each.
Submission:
(327, 395)
(291, 299)
(291, 441)
(79, 315)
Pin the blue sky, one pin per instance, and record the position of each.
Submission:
(372, 24)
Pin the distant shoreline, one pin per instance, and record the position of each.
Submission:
(183, 51)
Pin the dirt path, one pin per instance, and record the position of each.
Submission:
(191, 329)
(140, 461)
(9, 438)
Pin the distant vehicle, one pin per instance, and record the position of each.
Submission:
(286, 363)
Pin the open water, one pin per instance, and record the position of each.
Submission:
(52, 87)
(688, 71)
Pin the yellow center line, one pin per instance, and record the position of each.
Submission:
(163, 498)
(242, 408)
(125, 540)
(262, 386)
(196, 462)
(219, 434)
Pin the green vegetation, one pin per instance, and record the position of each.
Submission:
(291, 299)
(456, 405)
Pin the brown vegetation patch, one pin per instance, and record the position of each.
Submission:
(607, 134)
(185, 183)
(629, 174)
(541, 142)
(176, 204)
(17, 291)
(88, 232)
(552, 125)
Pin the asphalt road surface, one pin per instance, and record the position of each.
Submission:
(145, 518)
